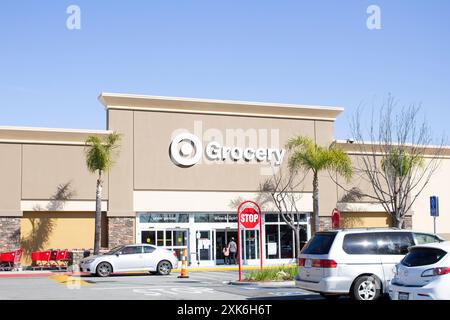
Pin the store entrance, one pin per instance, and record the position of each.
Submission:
(170, 239)
(223, 237)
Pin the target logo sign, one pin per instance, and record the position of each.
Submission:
(249, 218)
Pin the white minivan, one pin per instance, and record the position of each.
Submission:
(355, 262)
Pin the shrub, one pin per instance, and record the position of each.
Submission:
(279, 273)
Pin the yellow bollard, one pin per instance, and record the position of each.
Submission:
(183, 273)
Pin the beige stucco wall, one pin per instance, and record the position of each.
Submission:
(438, 186)
(45, 167)
(10, 182)
(154, 170)
(121, 174)
(36, 162)
(145, 165)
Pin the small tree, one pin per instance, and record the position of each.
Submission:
(99, 158)
(310, 157)
(395, 156)
(283, 191)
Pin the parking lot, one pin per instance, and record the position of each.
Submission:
(213, 285)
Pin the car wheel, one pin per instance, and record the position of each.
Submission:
(366, 288)
(164, 267)
(104, 269)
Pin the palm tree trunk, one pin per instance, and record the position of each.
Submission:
(316, 202)
(98, 215)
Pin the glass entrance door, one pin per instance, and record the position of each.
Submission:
(204, 245)
(223, 237)
(249, 245)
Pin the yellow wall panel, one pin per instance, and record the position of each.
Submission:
(365, 220)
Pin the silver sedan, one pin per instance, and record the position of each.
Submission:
(136, 257)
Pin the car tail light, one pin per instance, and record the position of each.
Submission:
(301, 262)
(324, 263)
(436, 272)
(175, 254)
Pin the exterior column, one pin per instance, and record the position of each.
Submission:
(10, 233)
(325, 223)
(121, 231)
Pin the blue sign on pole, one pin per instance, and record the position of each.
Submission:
(434, 206)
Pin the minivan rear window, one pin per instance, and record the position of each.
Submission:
(423, 257)
(320, 243)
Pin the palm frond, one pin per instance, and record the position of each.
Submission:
(99, 153)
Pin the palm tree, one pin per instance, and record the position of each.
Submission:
(307, 155)
(99, 158)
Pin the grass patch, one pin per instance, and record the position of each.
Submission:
(281, 273)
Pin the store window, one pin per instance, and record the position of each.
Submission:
(286, 242)
(168, 238)
(280, 238)
(272, 241)
(148, 237)
(210, 217)
(271, 217)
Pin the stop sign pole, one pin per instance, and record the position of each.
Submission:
(250, 210)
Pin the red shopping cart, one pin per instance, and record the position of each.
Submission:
(10, 260)
(63, 258)
(59, 259)
(41, 259)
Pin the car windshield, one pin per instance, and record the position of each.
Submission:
(114, 250)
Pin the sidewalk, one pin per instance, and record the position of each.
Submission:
(195, 268)
(46, 273)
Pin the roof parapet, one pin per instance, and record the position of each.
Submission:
(220, 107)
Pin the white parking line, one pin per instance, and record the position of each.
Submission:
(172, 291)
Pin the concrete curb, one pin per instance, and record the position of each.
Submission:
(14, 274)
(274, 284)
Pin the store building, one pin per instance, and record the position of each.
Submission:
(183, 164)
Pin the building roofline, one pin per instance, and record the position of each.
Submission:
(36, 135)
(213, 106)
(354, 147)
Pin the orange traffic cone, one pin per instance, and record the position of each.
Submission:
(183, 273)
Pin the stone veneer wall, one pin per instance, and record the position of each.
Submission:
(120, 231)
(9, 233)
(407, 223)
(325, 223)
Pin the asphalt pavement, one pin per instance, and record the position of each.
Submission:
(211, 285)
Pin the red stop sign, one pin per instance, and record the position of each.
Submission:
(249, 218)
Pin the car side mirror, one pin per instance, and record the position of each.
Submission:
(117, 254)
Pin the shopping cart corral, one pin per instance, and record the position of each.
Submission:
(10, 261)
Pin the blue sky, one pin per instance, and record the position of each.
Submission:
(306, 52)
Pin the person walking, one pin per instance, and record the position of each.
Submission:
(232, 247)
(226, 254)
